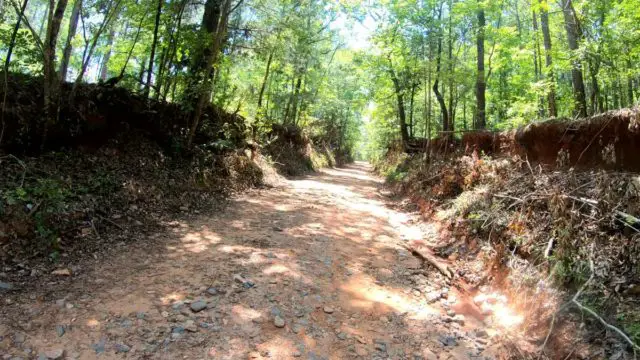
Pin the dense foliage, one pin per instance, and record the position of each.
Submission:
(421, 68)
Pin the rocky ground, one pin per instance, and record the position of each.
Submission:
(314, 269)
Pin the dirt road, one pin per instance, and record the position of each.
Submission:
(312, 270)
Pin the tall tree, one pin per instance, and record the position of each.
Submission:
(573, 35)
(156, 27)
(481, 105)
(546, 35)
(71, 33)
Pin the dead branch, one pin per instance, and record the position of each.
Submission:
(428, 257)
(95, 231)
(109, 221)
(575, 301)
(21, 163)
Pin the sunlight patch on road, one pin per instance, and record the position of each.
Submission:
(352, 174)
(278, 347)
(171, 298)
(197, 242)
(280, 269)
(340, 190)
(244, 315)
(365, 293)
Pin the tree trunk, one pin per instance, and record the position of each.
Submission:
(216, 14)
(147, 85)
(413, 93)
(110, 13)
(481, 105)
(402, 117)
(51, 80)
(452, 117)
(12, 42)
(73, 25)
(175, 39)
(104, 69)
(630, 100)
(264, 80)
(544, 24)
(294, 100)
(537, 62)
(573, 36)
(436, 91)
(143, 69)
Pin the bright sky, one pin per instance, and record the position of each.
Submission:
(356, 34)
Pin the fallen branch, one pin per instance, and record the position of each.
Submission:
(428, 257)
(575, 301)
(95, 231)
(24, 167)
(109, 221)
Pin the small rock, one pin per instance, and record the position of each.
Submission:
(190, 326)
(198, 305)
(273, 281)
(61, 302)
(451, 313)
(19, 338)
(361, 351)
(60, 330)
(245, 283)
(342, 336)
(328, 309)
(99, 346)
(297, 353)
(140, 315)
(482, 333)
(54, 354)
(429, 355)
(4, 286)
(61, 272)
(459, 319)
(212, 291)
(184, 208)
(448, 340)
(278, 322)
(380, 345)
(122, 348)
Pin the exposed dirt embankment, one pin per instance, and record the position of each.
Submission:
(551, 236)
(609, 141)
(93, 114)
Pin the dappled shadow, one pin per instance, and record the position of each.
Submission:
(323, 254)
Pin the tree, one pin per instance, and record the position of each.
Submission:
(544, 24)
(480, 82)
(573, 35)
(73, 25)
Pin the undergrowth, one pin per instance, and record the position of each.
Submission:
(537, 229)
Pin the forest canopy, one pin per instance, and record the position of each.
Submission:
(358, 75)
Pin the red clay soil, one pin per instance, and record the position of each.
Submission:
(609, 141)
